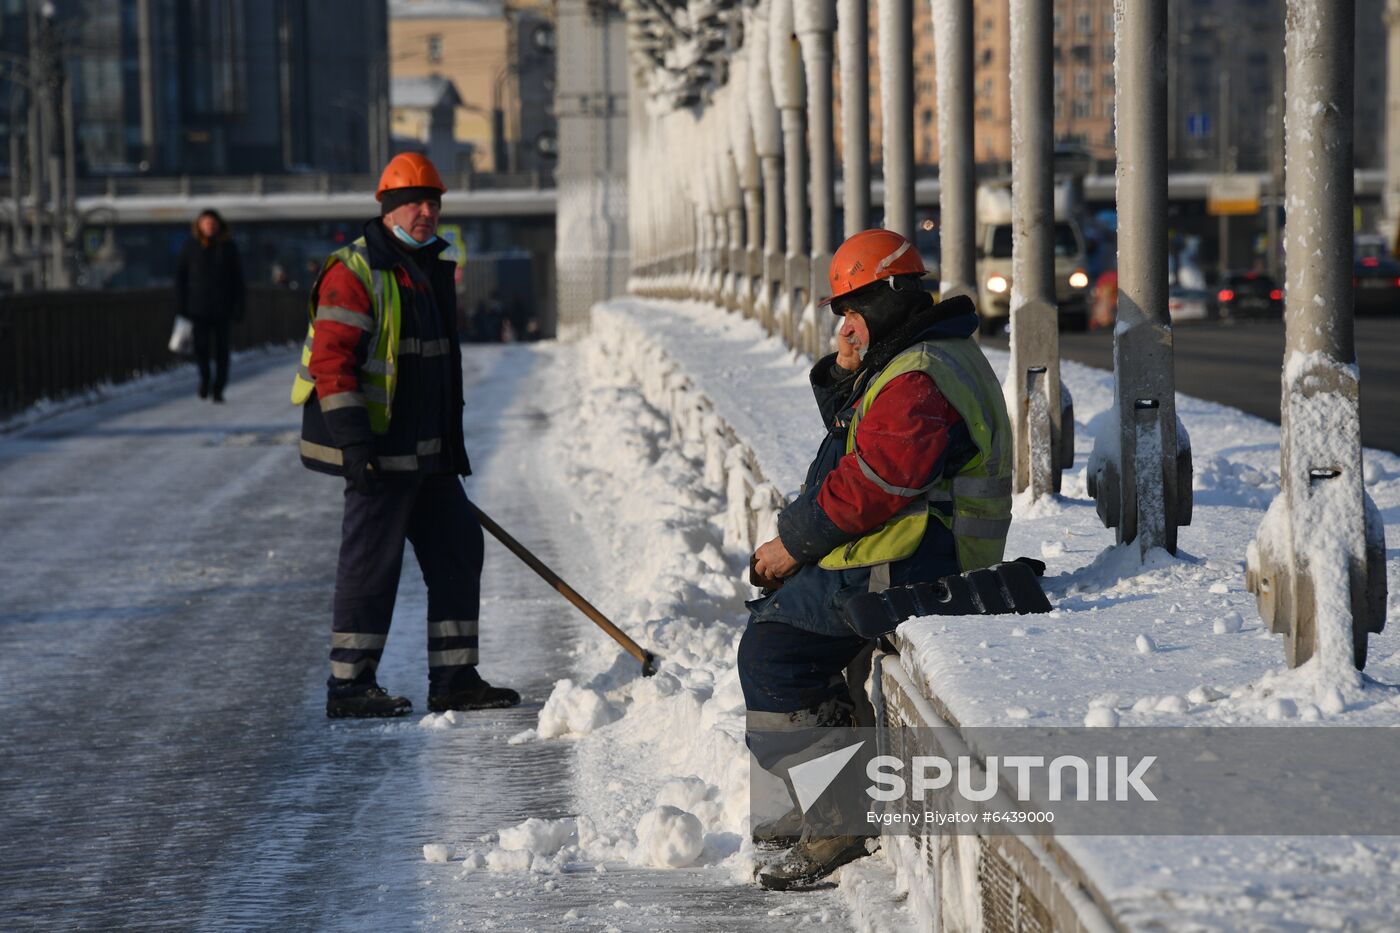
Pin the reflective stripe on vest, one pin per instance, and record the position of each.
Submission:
(978, 497)
(379, 374)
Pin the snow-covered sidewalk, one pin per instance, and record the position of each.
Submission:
(690, 420)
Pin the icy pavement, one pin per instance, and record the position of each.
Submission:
(167, 571)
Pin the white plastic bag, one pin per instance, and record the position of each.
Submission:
(182, 337)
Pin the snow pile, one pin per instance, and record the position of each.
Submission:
(669, 837)
(574, 710)
(536, 845)
(434, 852)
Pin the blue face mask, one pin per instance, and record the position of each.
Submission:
(407, 239)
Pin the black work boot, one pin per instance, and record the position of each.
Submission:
(477, 696)
(371, 703)
(812, 859)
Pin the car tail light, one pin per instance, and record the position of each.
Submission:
(1370, 262)
(1225, 294)
(1276, 295)
(1397, 281)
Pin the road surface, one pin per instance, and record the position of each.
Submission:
(1240, 364)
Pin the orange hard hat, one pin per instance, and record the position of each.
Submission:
(408, 170)
(869, 256)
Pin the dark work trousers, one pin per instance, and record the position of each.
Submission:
(430, 511)
(211, 344)
(793, 680)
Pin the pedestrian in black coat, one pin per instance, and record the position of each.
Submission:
(209, 293)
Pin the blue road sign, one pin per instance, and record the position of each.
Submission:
(1198, 125)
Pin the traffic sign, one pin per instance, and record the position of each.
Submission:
(1233, 194)
(1198, 125)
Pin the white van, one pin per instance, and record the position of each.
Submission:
(994, 260)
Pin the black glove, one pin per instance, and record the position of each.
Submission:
(767, 584)
(362, 470)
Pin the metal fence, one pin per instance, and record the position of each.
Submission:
(56, 344)
(114, 186)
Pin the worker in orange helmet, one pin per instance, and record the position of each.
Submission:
(380, 385)
(911, 483)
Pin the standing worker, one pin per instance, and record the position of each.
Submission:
(209, 294)
(912, 483)
(381, 389)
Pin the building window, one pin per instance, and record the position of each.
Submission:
(1059, 110)
(1109, 26)
(1058, 81)
(1081, 109)
(1083, 23)
(1108, 109)
(1108, 52)
(1108, 80)
(435, 48)
(1057, 22)
(1083, 83)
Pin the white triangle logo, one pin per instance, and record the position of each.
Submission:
(811, 778)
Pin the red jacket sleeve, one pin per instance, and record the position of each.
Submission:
(343, 323)
(901, 440)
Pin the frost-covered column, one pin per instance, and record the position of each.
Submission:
(1140, 471)
(815, 21)
(1317, 565)
(733, 204)
(897, 103)
(719, 232)
(853, 33)
(768, 142)
(741, 144)
(1391, 220)
(952, 29)
(790, 94)
(1035, 336)
(682, 153)
(699, 174)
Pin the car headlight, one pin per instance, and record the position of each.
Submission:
(1078, 279)
(997, 284)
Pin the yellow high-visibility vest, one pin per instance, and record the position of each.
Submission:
(979, 494)
(379, 374)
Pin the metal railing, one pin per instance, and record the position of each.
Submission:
(742, 216)
(54, 345)
(116, 186)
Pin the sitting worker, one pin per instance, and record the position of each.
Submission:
(912, 483)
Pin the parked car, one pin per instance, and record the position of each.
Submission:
(1183, 304)
(1188, 304)
(1249, 295)
(1376, 284)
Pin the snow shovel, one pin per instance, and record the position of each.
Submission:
(649, 660)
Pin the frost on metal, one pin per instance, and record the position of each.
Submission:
(1317, 564)
(783, 63)
(763, 108)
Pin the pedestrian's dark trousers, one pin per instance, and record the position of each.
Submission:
(430, 511)
(211, 345)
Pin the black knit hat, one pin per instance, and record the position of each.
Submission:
(397, 197)
(885, 304)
